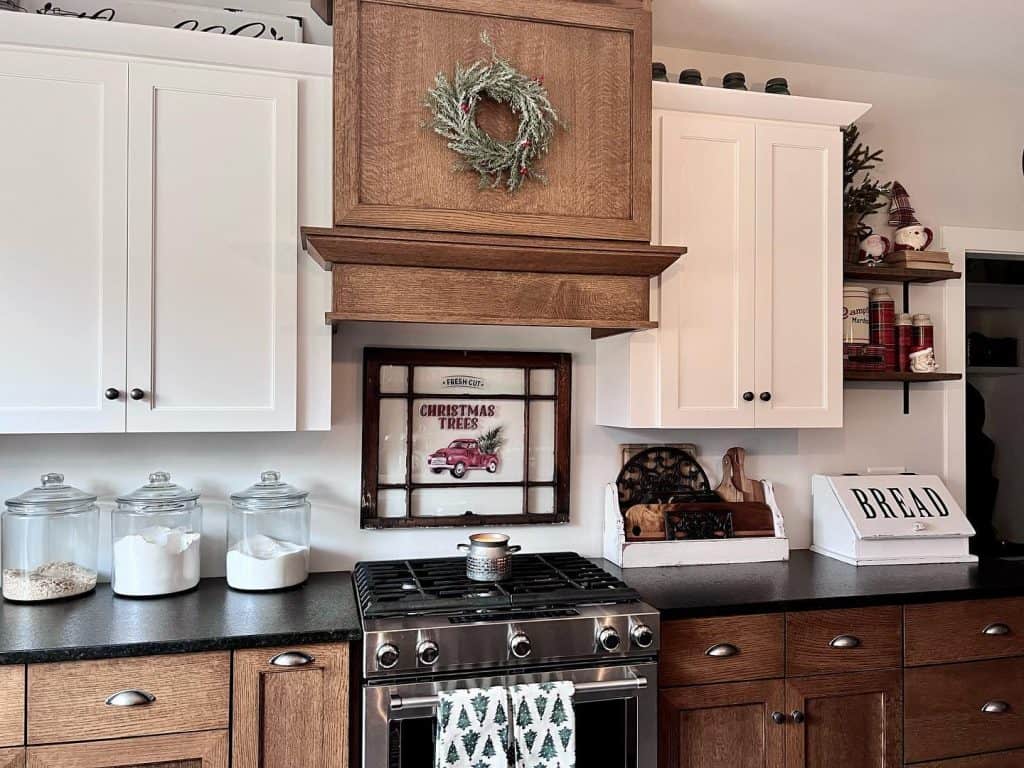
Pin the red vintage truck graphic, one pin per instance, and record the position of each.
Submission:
(461, 456)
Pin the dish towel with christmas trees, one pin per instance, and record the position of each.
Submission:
(472, 728)
(544, 724)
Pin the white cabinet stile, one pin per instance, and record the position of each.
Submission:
(63, 265)
(212, 309)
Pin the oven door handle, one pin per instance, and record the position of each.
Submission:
(633, 683)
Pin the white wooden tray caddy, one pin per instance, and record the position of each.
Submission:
(648, 554)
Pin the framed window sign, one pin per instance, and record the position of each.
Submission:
(465, 438)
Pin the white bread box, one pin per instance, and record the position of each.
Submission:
(888, 520)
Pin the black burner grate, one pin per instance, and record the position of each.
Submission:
(440, 585)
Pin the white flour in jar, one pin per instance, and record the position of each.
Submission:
(261, 562)
(49, 581)
(156, 561)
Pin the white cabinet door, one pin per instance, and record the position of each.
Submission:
(707, 297)
(62, 242)
(799, 276)
(212, 250)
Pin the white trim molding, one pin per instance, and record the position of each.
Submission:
(959, 241)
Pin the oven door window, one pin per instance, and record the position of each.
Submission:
(411, 742)
(605, 731)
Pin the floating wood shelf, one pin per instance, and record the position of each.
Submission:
(433, 277)
(899, 376)
(897, 274)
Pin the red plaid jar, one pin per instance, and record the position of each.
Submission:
(882, 311)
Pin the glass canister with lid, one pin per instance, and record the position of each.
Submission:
(268, 535)
(156, 532)
(50, 542)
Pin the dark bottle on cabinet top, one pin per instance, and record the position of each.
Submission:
(690, 77)
(658, 72)
(777, 85)
(735, 81)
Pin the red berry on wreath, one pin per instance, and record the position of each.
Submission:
(523, 171)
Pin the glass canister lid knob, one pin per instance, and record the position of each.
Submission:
(159, 478)
(51, 480)
(270, 476)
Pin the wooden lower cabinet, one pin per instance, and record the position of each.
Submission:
(722, 726)
(12, 758)
(850, 719)
(207, 749)
(291, 707)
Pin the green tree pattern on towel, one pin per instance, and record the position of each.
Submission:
(545, 734)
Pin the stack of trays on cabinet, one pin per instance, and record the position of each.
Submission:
(919, 260)
(662, 511)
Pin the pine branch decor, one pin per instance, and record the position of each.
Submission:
(453, 105)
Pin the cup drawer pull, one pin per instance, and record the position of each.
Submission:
(722, 650)
(996, 629)
(844, 641)
(130, 698)
(995, 707)
(292, 659)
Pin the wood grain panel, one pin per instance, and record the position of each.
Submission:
(951, 632)
(722, 726)
(856, 716)
(809, 634)
(1013, 759)
(12, 706)
(392, 172)
(759, 641)
(291, 717)
(67, 701)
(943, 712)
(12, 758)
(180, 750)
(407, 294)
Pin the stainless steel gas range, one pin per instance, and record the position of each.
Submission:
(559, 616)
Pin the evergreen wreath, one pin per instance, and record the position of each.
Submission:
(454, 103)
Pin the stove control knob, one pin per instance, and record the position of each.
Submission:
(428, 652)
(387, 656)
(643, 636)
(520, 645)
(609, 639)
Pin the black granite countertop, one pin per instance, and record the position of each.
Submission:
(810, 581)
(211, 617)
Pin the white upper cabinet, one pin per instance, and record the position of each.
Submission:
(212, 251)
(149, 217)
(707, 297)
(750, 317)
(799, 283)
(63, 266)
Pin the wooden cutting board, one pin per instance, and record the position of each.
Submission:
(735, 485)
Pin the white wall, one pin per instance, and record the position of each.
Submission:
(955, 145)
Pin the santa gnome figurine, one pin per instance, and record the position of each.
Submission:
(909, 235)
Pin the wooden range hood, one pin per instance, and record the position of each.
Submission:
(414, 241)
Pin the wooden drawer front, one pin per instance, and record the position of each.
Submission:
(752, 648)
(850, 640)
(943, 711)
(67, 702)
(976, 629)
(179, 750)
(1013, 759)
(12, 706)
(12, 758)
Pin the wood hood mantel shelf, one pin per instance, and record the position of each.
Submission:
(434, 277)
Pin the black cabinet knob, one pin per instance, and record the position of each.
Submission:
(136, 394)
(111, 394)
(798, 716)
(748, 396)
(766, 396)
(779, 718)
